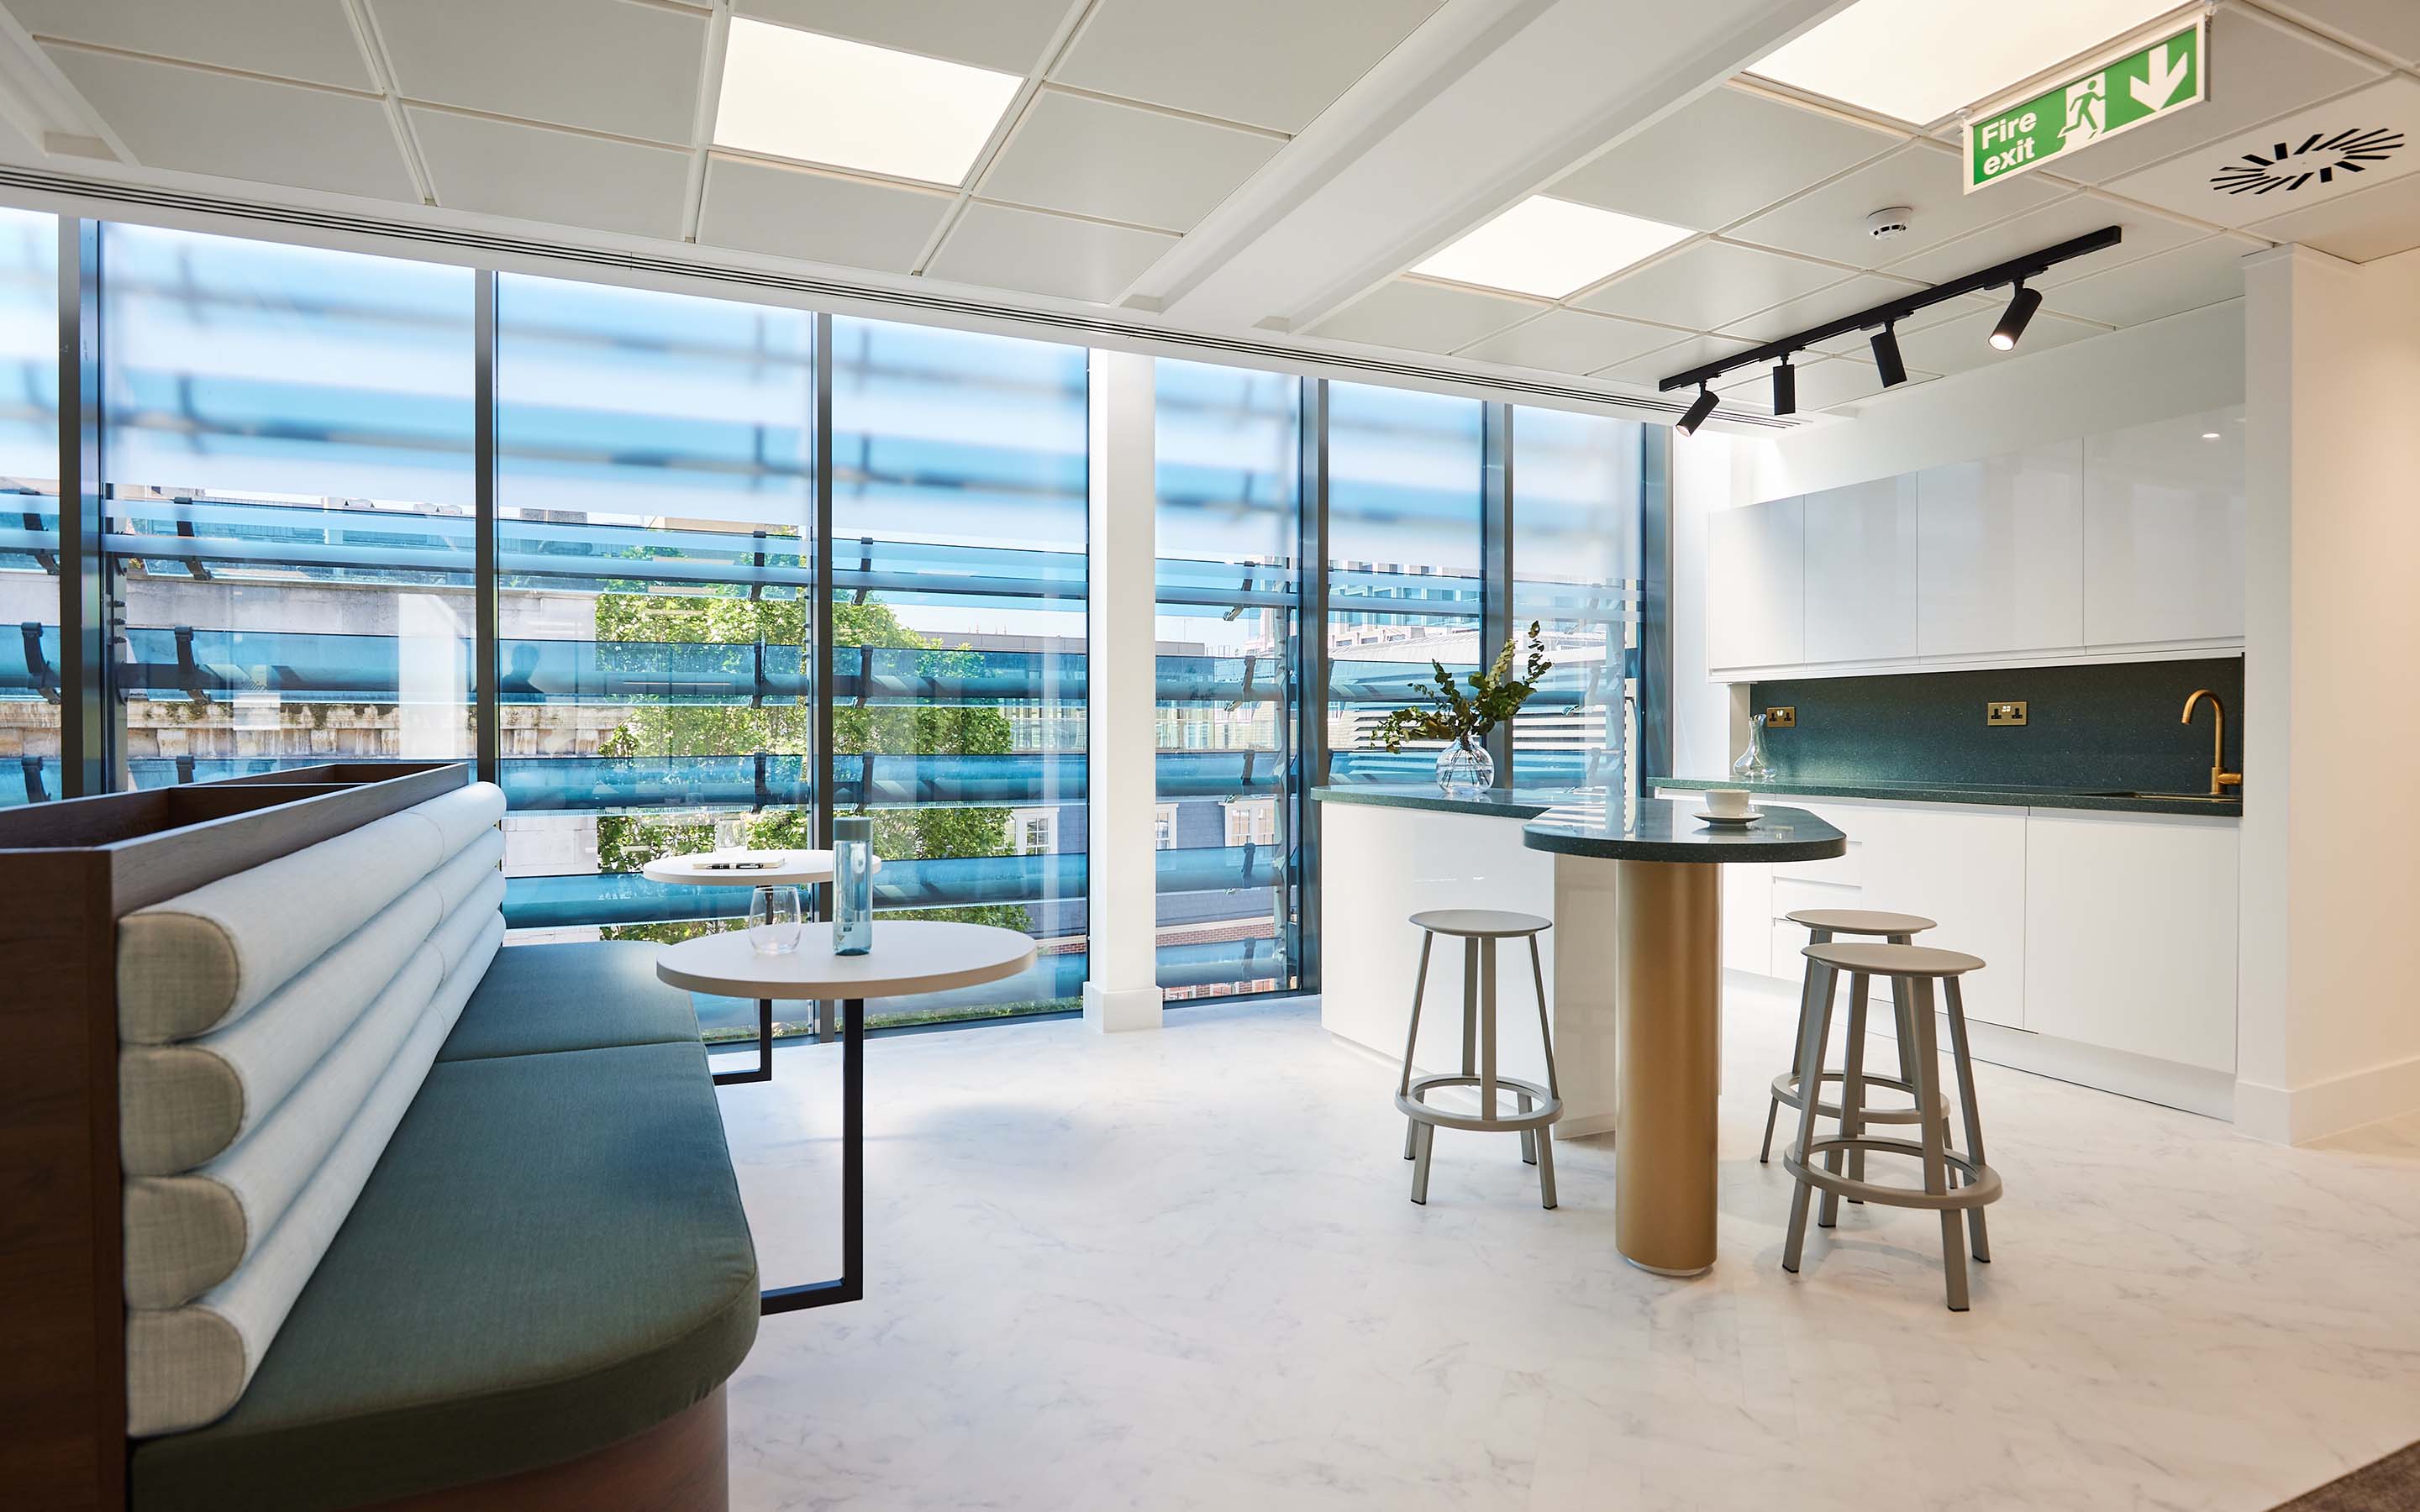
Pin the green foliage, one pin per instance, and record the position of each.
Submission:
(1487, 698)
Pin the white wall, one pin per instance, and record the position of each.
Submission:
(2328, 1034)
(1702, 709)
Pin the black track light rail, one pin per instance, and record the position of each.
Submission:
(2031, 265)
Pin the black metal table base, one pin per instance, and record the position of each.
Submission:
(764, 1071)
(851, 1285)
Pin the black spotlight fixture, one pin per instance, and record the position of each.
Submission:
(1785, 388)
(1699, 407)
(1886, 359)
(2022, 306)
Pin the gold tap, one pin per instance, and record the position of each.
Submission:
(2220, 778)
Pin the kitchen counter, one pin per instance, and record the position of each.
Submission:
(1492, 803)
(2011, 797)
(1658, 829)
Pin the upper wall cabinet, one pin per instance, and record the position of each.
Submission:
(1861, 572)
(1999, 549)
(2164, 517)
(1756, 582)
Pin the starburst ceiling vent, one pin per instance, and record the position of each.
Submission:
(2318, 159)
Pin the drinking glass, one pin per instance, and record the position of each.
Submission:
(775, 921)
(730, 832)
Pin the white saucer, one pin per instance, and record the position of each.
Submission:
(1728, 821)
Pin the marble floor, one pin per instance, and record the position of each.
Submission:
(1178, 1270)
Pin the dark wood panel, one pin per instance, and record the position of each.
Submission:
(682, 1464)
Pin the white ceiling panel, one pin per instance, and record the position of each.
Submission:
(1273, 63)
(1823, 383)
(1729, 154)
(2060, 220)
(310, 40)
(1007, 35)
(1121, 163)
(826, 218)
(1831, 222)
(1569, 340)
(605, 65)
(1424, 316)
(2256, 71)
(1009, 248)
(2392, 26)
(197, 122)
(1964, 342)
(2149, 288)
(1693, 351)
(2326, 152)
(1844, 297)
(2379, 222)
(1711, 284)
(503, 168)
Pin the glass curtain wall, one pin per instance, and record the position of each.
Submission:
(959, 473)
(29, 523)
(288, 444)
(1229, 522)
(1403, 574)
(1576, 517)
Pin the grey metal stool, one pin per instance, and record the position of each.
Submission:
(1913, 969)
(1478, 928)
(1824, 926)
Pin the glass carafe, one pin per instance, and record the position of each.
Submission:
(1751, 765)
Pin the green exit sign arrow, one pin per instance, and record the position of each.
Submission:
(2157, 79)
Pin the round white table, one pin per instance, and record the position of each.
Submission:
(799, 868)
(909, 956)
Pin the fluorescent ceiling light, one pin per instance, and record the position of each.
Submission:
(1549, 248)
(795, 94)
(1919, 61)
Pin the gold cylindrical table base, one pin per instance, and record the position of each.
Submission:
(1667, 1048)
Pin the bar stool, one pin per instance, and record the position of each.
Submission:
(1822, 926)
(1913, 969)
(1478, 928)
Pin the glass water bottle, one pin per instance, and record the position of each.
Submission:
(852, 886)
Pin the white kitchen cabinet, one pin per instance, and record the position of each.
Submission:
(1861, 586)
(1748, 917)
(1964, 869)
(2164, 520)
(2130, 934)
(1999, 554)
(1756, 585)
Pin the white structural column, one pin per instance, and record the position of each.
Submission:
(2327, 1039)
(1122, 991)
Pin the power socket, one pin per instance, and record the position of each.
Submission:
(2005, 712)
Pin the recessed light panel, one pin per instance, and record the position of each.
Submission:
(1918, 60)
(1550, 248)
(794, 94)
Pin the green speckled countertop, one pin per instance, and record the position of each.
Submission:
(1500, 803)
(2012, 797)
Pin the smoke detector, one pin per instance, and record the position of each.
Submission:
(1886, 224)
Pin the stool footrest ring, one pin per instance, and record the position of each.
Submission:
(1411, 1105)
(1785, 1090)
(1982, 1184)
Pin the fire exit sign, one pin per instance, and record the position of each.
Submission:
(2157, 78)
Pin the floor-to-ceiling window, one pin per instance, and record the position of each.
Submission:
(959, 538)
(29, 516)
(1228, 463)
(1576, 483)
(288, 450)
(1404, 558)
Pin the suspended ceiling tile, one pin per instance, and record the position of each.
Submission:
(2256, 71)
(2392, 26)
(605, 65)
(1272, 63)
(1007, 35)
(1831, 222)
(822, 217)
(196, 121)
(505, 168)
(2377, 222)
(1653, 367)
(1964, 342)
(1121, 163)
(1843, 298)
(1569, 340)
(1424, 316)
(2062, 220)
(2206, 273)
(1000, 246)
(2313, 156)
(1711, 284)
(309, 39)
(1729, 154)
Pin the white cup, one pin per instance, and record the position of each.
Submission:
(1731, 803)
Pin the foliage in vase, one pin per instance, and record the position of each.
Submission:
(1481, 701)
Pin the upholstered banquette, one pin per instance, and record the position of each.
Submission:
(407, 1216)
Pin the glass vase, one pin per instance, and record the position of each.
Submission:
(1464, 768)
(1751, 765)
(852, 886)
